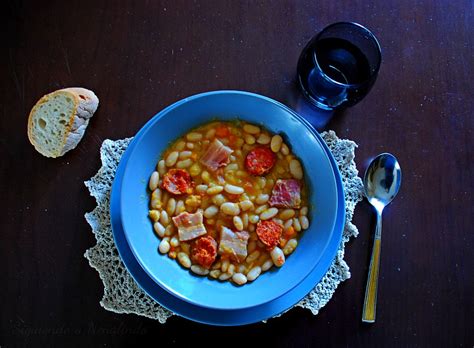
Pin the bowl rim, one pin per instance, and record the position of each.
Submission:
(308, 128)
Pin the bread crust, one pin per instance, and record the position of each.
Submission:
(85, 104)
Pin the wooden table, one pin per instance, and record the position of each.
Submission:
(140, 56)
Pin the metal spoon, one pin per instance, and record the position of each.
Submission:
(382, 181)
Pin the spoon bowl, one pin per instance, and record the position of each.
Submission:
(382, 180)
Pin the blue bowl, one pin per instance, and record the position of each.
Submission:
(212, 316)
(178, 119)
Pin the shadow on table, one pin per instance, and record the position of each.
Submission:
(319, 118)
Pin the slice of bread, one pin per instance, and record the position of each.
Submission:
(59, 119)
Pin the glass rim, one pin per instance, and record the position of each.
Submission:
(371, 36)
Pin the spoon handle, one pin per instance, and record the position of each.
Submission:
(370, 301)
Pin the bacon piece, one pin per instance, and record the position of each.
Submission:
(233, 244)
(177, 182)
(269, 233)
(189, 226)
(204, 250)
(217, 155)
(260, 161)
(286, 194)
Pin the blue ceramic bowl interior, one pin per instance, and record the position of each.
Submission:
(175, 121)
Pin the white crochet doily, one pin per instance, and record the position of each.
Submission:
(123, 295)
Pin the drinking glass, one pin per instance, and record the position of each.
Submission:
(338, 66)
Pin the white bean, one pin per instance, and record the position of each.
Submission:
(184, 163)
(180, 145)
(245, 220)
(164, 246)
(238, 223)
(239, 278)
(190, 146)
(262, 198)
(241, 269)
(230, 208)
(172, 158)
(261, 182)
(154, 179)
(295, 169)
(215, 273)
(179, 207)
(195, 170)
(254, 219)
(249, 139)
(304, 211)
(224, 276)
(284, 149)
(199, 270)
(251, 129)
(171, 206)
(211, 211)
(263, 139)
(154, 215)
(174, 242)
(231, 269)
(268, 214)
(218, 199)
(278, 221)
(246, 205)
(194, 136)
(296, 224)
(234, 190)
(231, 167)
(164, 218)
(253, 256)
(254, 273)
(162, 167)
(261, 208)
(184, 260)
(225, 266)
(185, 154)
(278, 257)
(267, 265)
(275, 145)
(210, 133)
(287, 214)
(155, 201)
(288, 224)
(201, 188)
(247, 147)
(206, 177)
(304, 222)
(213, 190)
(290, 246)
(159, 229)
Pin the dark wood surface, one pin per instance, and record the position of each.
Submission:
(140, 56)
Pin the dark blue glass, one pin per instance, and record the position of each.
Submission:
(338, 67)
